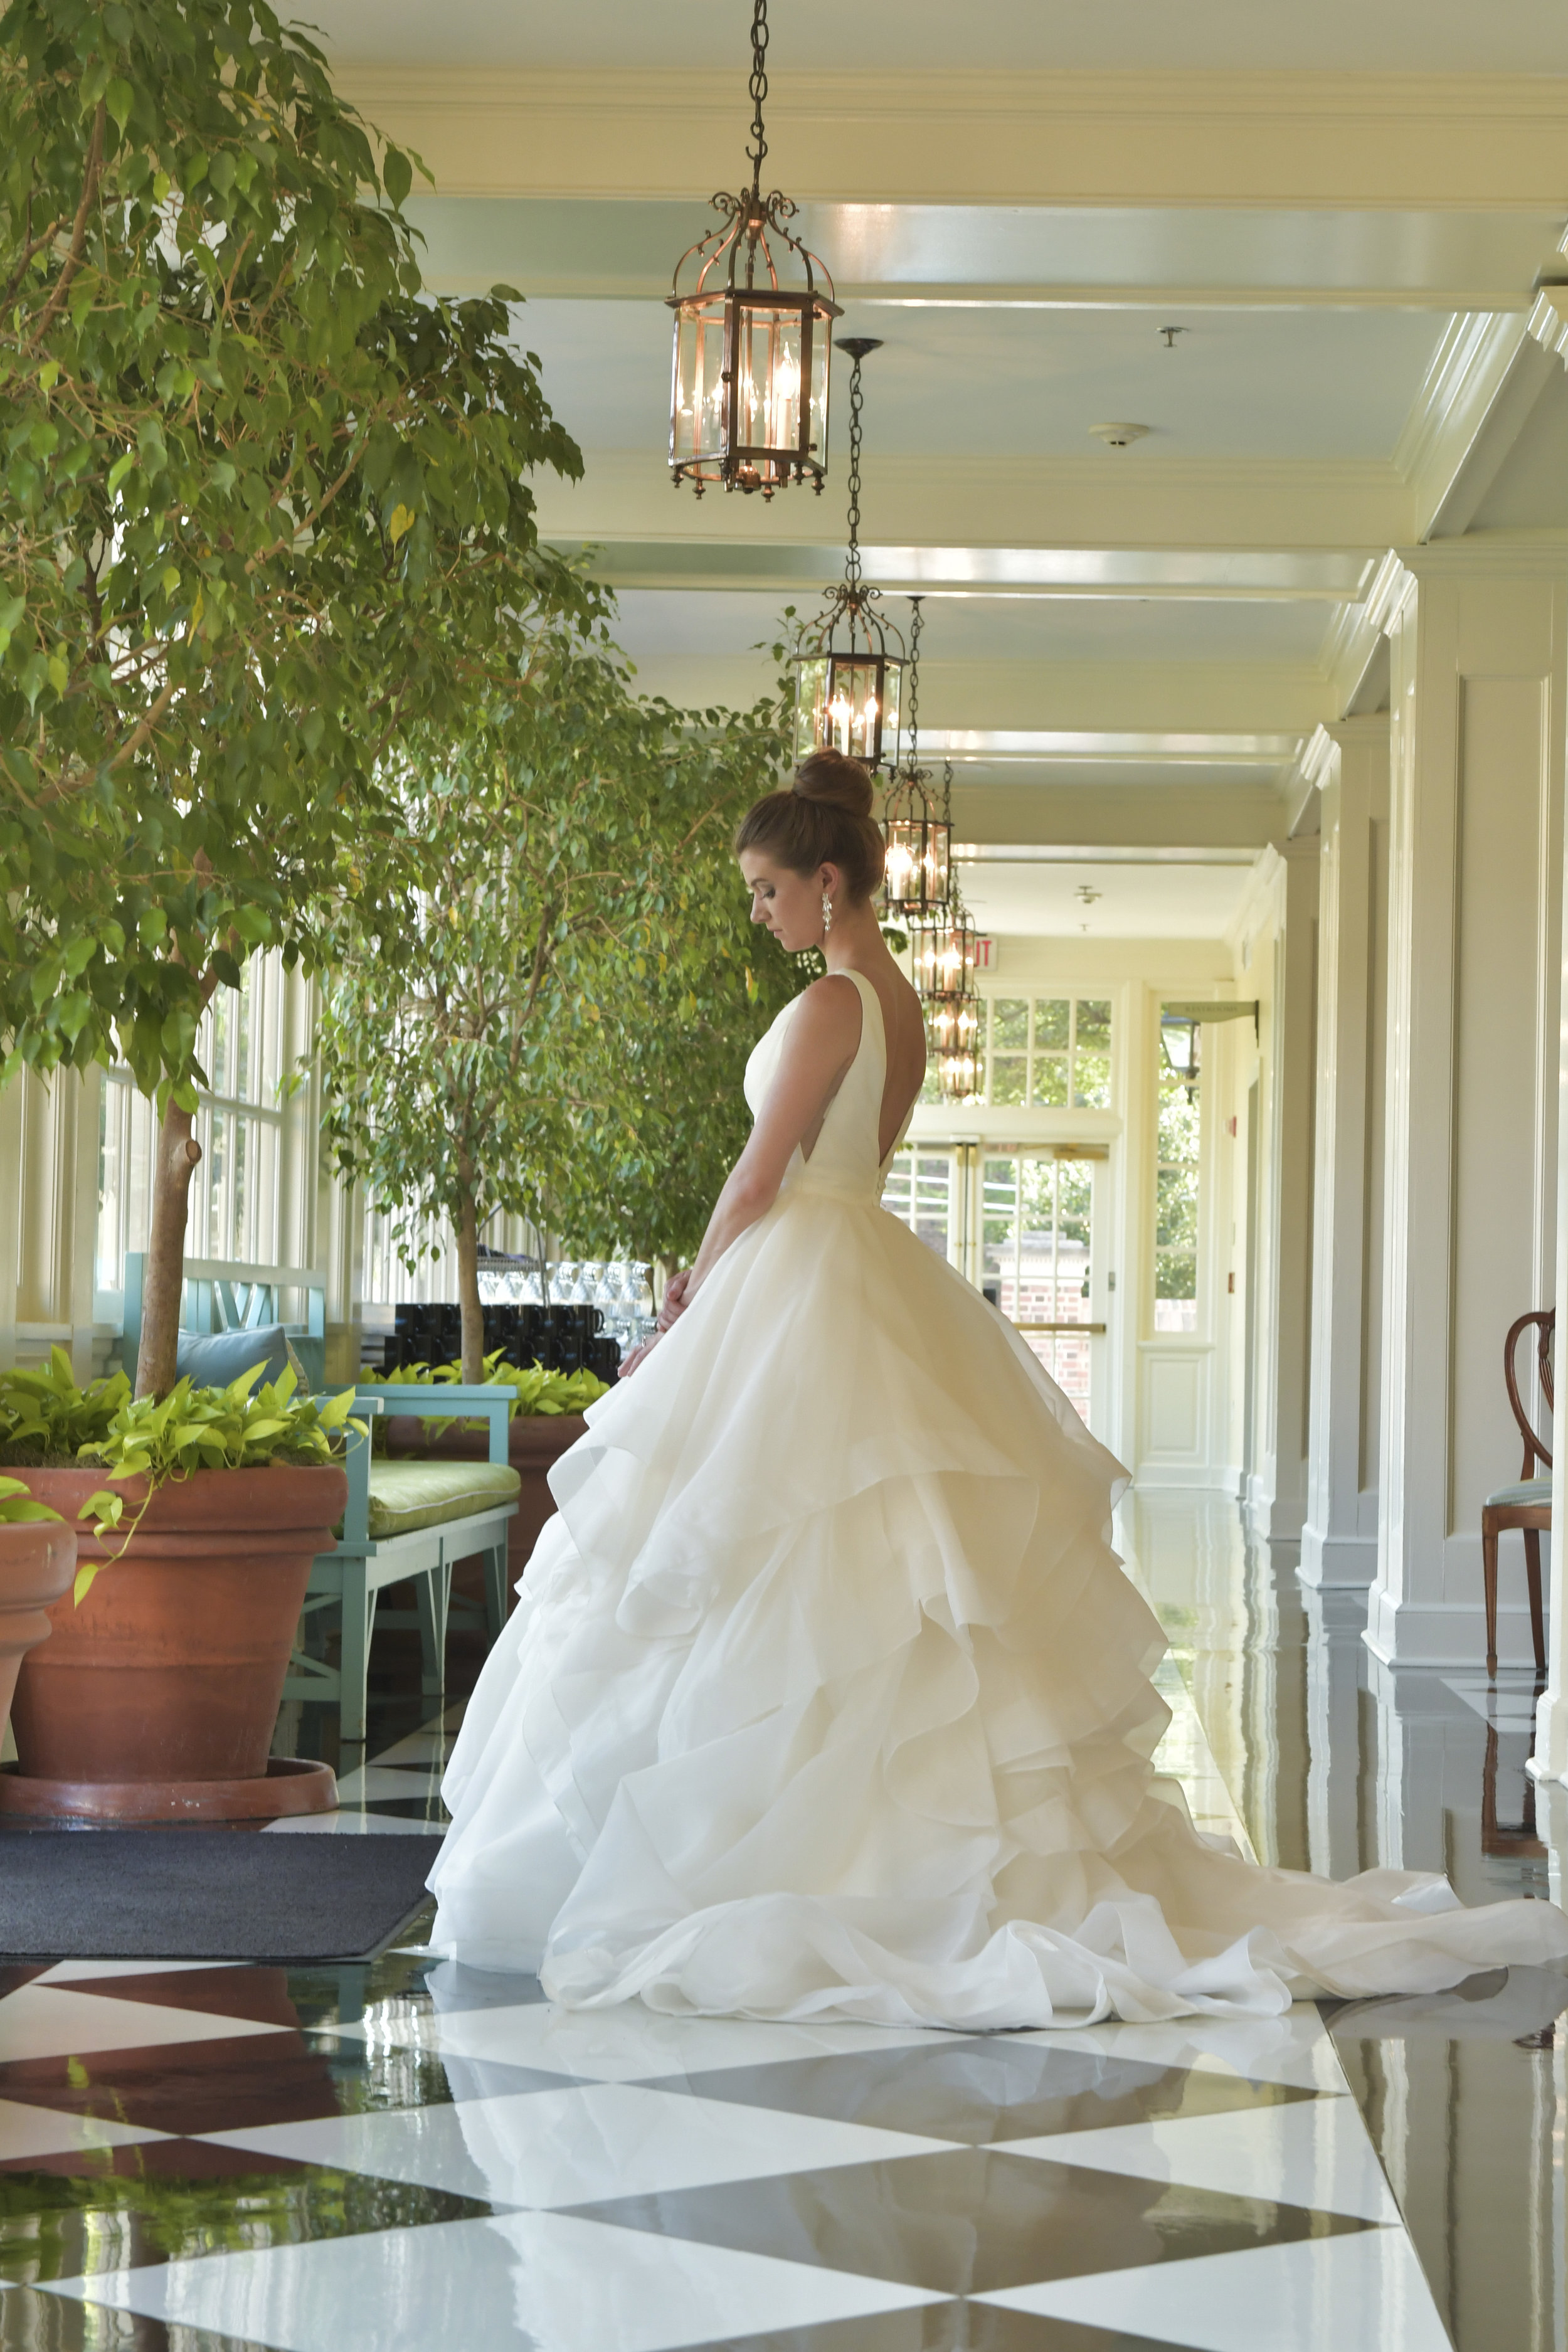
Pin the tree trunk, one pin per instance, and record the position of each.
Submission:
(468, 1291)
(164, 1276)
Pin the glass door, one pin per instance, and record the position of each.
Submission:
(1036, 1260)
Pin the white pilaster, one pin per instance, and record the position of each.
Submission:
(1338, 1541)
(1279, 1488)
(1478, 641)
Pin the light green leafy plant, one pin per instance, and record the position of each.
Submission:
(46, 1418)
(17, 1505)
(240, 1427)
(534, 1390)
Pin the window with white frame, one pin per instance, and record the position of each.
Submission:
(234, 1197)
(1177, 1178)
(1049, 1052)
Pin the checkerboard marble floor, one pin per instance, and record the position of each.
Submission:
(407, 2155)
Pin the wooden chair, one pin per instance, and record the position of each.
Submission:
(1526, 1506)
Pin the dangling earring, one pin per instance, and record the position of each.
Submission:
(827, 914)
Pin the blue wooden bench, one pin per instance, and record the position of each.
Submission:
(405, 1520)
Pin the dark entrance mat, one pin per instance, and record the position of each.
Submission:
(207, 1895)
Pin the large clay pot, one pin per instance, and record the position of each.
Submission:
(38, 1562)
(535, 1442)
(156, 1698)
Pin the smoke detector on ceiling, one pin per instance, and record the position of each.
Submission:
(1117, 436)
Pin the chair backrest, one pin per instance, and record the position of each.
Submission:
(1546, 1318)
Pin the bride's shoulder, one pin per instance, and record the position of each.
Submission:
(828, 1013)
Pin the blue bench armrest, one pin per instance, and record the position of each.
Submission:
(432, 1400)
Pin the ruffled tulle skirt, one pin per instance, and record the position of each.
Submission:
(827, 1697)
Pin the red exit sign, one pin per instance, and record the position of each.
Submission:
(984, 955)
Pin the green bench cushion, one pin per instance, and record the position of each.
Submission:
(404, 1495)
(1528, 1490)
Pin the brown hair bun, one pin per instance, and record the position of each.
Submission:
(823, 818)
(835, 781)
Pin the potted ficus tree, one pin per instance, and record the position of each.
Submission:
(263, 511)
(560, 889)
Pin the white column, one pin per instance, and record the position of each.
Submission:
(1338, 1541)
(1475, 890)
(1279, 1488)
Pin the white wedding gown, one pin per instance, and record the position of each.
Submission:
(827, 1696)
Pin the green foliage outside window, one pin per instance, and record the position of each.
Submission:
(1050, 1052)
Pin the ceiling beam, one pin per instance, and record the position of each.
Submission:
(1116, 499)
(1449, 141)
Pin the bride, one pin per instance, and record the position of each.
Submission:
(826, 1695)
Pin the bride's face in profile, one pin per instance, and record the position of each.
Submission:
(788, 904)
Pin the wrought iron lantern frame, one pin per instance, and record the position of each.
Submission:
(739, 299)
(849, 682)
(917, 831)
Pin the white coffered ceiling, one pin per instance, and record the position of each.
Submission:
(1346, 210)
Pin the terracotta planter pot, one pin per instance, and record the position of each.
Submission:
(38, 1561)
(165, 1684)
(534, 1442)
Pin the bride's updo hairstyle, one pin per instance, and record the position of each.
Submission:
(824, 818)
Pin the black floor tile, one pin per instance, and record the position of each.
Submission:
(969, 2220)
(192, 2087)
(946, 2328)
(167, 2201)
(31, 2322)
(983, 2091)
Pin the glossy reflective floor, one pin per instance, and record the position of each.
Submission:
(407, 2154)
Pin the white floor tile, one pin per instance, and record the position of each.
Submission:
(1511, 1705)
(39, 2020)
(374, 1784)
(39, 2131)
(1364, 2293)
(521, 2282)
(351, 1825)
(628, 2043)
(1312, 2152)
(577, 2146)
(81, 1972)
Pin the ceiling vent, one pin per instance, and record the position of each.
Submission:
(1117, 436)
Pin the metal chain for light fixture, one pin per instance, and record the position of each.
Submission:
(858, 346)
(759, 88)
(914, 685)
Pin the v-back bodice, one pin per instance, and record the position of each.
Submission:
(845, 1162)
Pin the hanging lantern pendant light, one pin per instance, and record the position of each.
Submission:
(943, 947)
(847, 682)
(919, 840)
(749, 406)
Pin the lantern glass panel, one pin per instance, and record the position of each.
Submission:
(698, 419)
(905, 873)
(841, 706)
(771, 414)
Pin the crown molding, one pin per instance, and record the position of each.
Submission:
(1462, 384)
(1548, 321)
(1404, 141)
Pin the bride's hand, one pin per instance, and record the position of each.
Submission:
(674, 1297)
(629, 1363)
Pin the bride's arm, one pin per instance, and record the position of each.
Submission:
(819, 1044)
